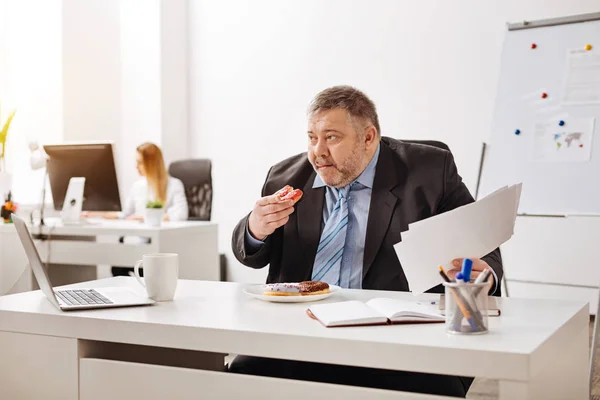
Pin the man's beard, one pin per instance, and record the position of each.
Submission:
(348, 171)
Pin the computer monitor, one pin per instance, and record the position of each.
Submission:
(92, 161)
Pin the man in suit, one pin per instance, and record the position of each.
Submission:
(361, 190)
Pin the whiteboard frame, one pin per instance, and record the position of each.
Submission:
(571, 19)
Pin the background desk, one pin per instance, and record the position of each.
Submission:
(73, 247)
(537, 349)
(554, 257)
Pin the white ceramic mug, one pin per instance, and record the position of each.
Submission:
(161, 271)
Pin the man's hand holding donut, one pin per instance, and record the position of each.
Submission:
(271, 212)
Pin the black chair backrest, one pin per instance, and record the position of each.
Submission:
(196, 176)
(433, 143)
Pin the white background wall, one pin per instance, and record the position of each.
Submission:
(431, 66)
(31, 82)
(140, 69)
(93, 70)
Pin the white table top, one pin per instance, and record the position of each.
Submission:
(219, 317)
(110, 227)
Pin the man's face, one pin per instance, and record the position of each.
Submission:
(336, 151)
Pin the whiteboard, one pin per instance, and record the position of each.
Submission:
(547, 157)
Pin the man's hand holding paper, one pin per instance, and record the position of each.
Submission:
(472, 231)
(479, 266)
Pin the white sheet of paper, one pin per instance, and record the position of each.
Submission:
(582, 80)
(406, 234)
(471, 231)
(517, 200)
(569, 143)
(467, 215)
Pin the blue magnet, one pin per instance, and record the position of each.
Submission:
(561, 123)
(517, 132)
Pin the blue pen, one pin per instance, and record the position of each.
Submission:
(467, 267)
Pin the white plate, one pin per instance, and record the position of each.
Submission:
(256, 291)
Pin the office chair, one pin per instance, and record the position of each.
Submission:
(434, 143)
(196, 176)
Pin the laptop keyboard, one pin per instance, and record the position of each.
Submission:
(82, 297)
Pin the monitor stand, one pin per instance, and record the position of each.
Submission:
(71, 211)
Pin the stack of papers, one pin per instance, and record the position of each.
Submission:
(470, 231)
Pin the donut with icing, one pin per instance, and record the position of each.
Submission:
(289, 193)
(306, 288)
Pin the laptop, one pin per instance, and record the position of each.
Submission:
(74, 299)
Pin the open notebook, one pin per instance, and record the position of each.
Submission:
(377, 311)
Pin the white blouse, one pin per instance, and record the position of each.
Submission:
(176, 207)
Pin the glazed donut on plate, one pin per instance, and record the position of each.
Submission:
(305, 288)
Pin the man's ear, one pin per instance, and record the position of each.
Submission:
(370, 136)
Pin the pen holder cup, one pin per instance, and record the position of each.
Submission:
(466, 308)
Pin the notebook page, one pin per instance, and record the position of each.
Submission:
(351, 312)
(397, 309)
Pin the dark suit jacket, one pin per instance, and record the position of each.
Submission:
(412, 182)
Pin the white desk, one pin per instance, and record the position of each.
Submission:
(537, 349)
(98, 244)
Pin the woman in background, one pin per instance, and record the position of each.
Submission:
(155, 185)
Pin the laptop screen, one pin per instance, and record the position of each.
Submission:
(34, 258)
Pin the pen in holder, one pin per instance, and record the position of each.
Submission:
(466, 308)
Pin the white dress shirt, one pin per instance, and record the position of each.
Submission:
(176, 206)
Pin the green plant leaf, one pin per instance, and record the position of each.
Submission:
(154, 204)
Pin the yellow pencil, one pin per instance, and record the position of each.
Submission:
(460, 304)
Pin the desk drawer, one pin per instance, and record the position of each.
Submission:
(105, 379)
(37, 367)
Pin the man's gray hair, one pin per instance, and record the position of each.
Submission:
(356, 103)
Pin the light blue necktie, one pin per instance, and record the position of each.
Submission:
(328, 259)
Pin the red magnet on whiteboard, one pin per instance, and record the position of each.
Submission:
(580, 145)
(544, 95)
(533, 46)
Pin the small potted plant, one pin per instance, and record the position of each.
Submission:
(153, 215)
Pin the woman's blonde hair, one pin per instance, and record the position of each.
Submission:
(154, 166)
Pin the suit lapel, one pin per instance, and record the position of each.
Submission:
(383, 202)
(310, 214)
